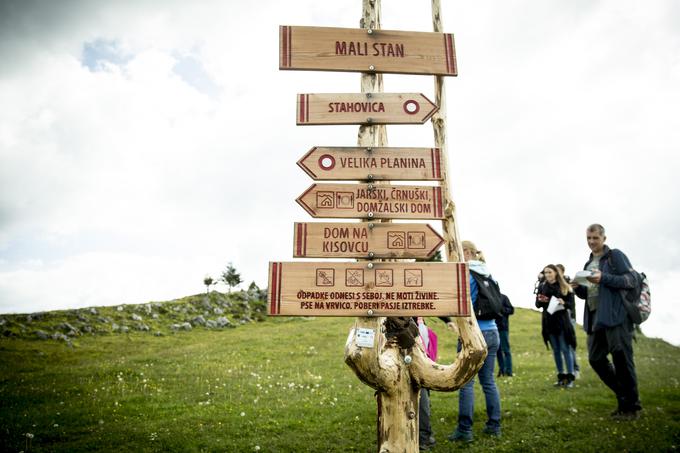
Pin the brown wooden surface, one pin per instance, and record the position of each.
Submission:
(352, 49)
(355, 163)
(365, 240)
(363, 108)
(352, 289)
(359, 201)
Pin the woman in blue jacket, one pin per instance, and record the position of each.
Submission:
(466, 397)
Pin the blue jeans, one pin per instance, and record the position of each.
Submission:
(466, 399)
(561, 348)
(504, 354)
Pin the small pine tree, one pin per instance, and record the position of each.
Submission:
(230, 277)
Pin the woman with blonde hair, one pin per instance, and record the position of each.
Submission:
(556, 327)
(466, 397)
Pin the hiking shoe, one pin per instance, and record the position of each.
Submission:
(493, 432)
(626, 416)
(460, 436)
(569, 384)
(427, 444)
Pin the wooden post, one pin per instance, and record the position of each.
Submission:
(396, 366)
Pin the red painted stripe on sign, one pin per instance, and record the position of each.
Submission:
(284, 57)
(278, 292)
(458, 286)
(302, 118)
(446, 53)
(464, 301)
(438, 157)
(451, 54)
(305, 241)
(273, 278)
(437, 201)
(298, 240)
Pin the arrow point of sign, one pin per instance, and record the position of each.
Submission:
(300, 200)
(439, 243)
(302, 163)
(433, 108)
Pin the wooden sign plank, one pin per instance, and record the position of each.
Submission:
(354, 289)
(368, 201)
(358, 50)
(352, 163)
(364, 240)
(363, 108)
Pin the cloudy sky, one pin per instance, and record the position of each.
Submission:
(145, 144)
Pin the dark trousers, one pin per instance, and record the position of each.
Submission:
(620, 375)
(504, 355)
(424, 426)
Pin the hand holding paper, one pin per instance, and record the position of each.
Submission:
(554, 305)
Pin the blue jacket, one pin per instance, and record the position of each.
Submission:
(614, 265)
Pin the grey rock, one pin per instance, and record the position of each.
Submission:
(222, 321)
(185, 326)
(218, 311)
(136, 317)
(3, 321)
(82, 318)
(104, 319)
(154, 316)
(198, 321)
(158, 333)
(142, 327)
(42, 335)
(88, 329)
(210, 324)
(93, 311)
(120, 308)
(60, 336)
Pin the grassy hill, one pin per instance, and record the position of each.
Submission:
(281, 385)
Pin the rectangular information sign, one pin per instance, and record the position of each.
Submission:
(358, 50)
(365, 240)
(363, 108)
(355, 289)
(368, 201)
(381, 163)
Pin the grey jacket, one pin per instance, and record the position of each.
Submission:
(615, 266)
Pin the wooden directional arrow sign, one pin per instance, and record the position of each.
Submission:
(366, 201)
(361, 50)
(365, 240)
(364, 108)
(345, 163)
(355, 289)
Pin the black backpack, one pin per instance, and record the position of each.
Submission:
(489, 300)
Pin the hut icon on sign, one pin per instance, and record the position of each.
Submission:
(396, 240)
(325, 200)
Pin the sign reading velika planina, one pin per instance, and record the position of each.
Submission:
(362, 50)
(365, 240)
(368, 289)
(364, 108)
(352, 163)
(368, 201)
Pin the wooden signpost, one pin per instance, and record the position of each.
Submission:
(354, 163)
(368, 289)
(383, 352)
(363, 108)
(365, 240)
(361, 50)
(368, 201)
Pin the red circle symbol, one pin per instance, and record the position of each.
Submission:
(327, 162)
(411, 107)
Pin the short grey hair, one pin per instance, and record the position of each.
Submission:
(596, 227)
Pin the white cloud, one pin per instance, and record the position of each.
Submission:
(161, 138)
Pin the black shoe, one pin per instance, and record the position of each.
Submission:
(625, 415)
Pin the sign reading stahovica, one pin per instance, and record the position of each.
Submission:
(368, 201)
(381, 163)
(361, 50)
(363, 108)
(365, 240)
(368, 289)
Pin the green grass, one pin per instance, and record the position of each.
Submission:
(281, 385)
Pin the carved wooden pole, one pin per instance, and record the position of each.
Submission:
(397, 366)
(471, 337)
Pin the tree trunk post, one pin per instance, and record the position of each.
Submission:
(397, 366)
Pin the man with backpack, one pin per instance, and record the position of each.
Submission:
(607, 323)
